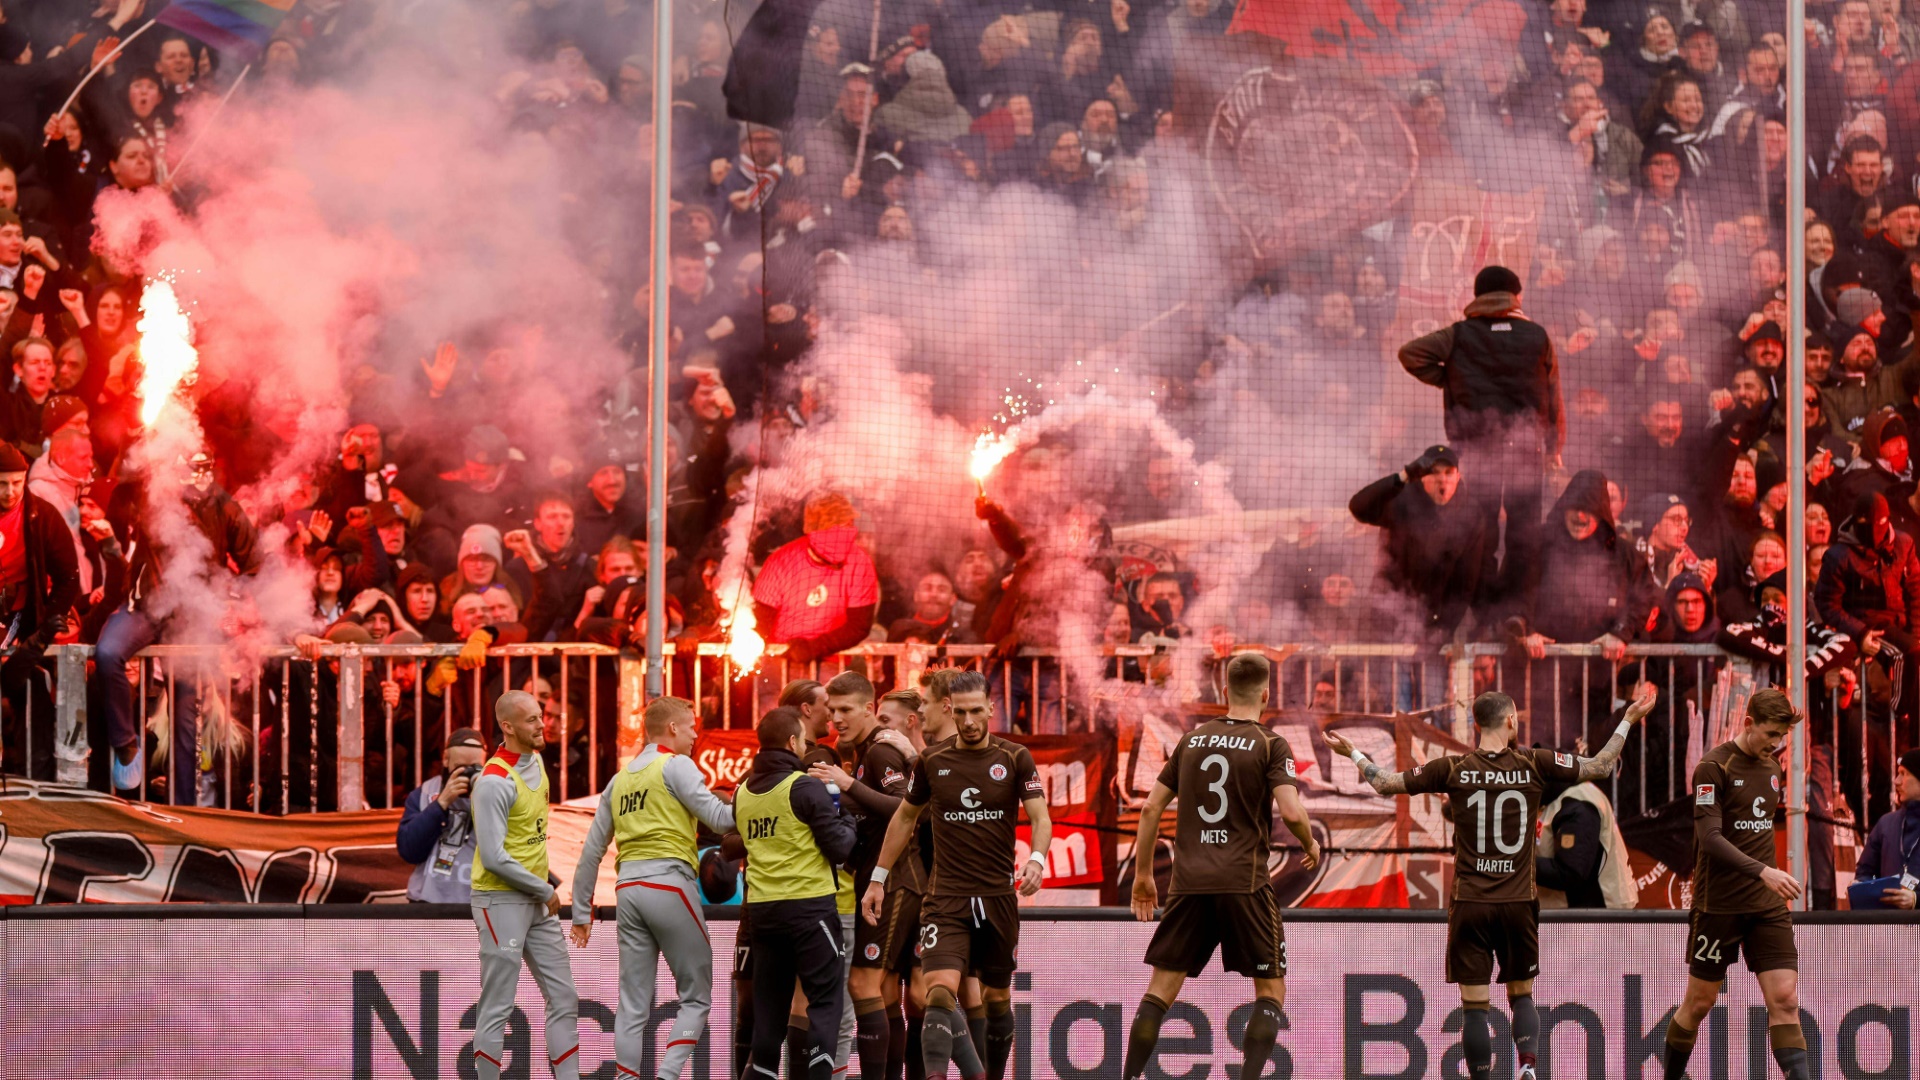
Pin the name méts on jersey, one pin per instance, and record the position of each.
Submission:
(1496, 778)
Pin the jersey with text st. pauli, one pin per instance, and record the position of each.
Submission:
(1743, 792)
(1496, 803)
(975, 798)
(1224, 773)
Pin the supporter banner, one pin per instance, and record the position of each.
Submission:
(1388, 38)
(368, 998)
(1451, 232)
(63, 845)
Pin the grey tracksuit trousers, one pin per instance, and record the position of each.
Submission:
(516, 928)
(659, 914)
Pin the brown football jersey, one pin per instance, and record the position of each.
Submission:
(1496, 803)
(974, 797)
(1224, 773)
(1742, 793)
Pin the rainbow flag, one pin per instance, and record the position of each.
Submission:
(241, 26)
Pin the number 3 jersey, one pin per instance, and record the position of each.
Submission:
(1495, 798)
(1224, 773)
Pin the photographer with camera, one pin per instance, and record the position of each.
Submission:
(436, 829)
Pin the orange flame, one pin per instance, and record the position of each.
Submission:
(989, 451)
(167, 356)
(745, 646)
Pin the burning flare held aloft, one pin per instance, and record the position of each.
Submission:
(167, 356)
(745, 646)
(989, 450)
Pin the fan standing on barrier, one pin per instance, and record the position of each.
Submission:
(796, 837)
(1740, 895)
(648, 810)
(1227, 774)
(515, 908)
(976, 785)
(1495, 911)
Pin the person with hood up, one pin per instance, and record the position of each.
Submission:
(816, 595)
(1500, 385)
(1869, 590)
(1884, 466)
(1863, 385)
(1584, 585)
(1438, 545)
(924, 111)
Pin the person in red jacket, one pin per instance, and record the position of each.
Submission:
(817, 594)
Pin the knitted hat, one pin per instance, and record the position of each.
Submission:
(59, 411)
(1855, 305)
(11, 459)
(481, 540)
(1495, 279)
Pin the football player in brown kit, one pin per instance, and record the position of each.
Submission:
(882, 761)
(1495, 911)
(975, 786)
(1739, 896)
(1227, 774)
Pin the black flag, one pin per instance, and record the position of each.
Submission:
(763, 78)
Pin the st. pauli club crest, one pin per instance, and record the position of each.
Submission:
(1288, 159)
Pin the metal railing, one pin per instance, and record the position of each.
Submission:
(287, 732)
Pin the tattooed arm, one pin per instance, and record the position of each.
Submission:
(1382, 781)
(1601, 765)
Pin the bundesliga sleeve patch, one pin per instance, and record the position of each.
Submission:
(1290, 771)
(1703, 795)
(1565, 761)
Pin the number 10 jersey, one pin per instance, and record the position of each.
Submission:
(1224, 773)
(1496, 802)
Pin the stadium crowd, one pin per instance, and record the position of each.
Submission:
(1653, 418)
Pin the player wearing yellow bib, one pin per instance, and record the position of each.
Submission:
(796, 838)
(648, 812)
(515, 909)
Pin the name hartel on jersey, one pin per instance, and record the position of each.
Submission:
(1493, 866)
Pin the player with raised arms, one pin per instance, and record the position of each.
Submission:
(1495, 909)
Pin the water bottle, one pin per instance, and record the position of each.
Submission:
(833, 791)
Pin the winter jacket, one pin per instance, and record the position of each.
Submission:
(1582, 589)
(232, 541)
(1442, 555)
(1494, 367)
(1893, 847)
(1863, 588)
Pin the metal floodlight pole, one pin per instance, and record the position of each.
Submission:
(657, 354)
(1793, 394)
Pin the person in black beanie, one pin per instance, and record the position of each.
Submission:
(39, 582)
(1501, 398)
(1438, 543)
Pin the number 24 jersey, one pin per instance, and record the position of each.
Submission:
(1224, 773)
(1496, 802)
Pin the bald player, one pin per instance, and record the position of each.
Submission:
(1495, 909)
(515, 908)
(649, 809)
(1227, 774)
